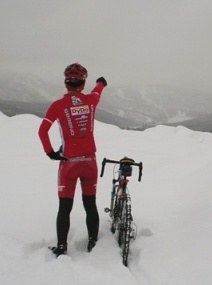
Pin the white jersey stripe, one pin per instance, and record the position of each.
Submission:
(48, 120)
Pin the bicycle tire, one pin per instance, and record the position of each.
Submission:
(115, 214)
(125, 229)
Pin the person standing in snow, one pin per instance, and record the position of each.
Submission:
(75, 114)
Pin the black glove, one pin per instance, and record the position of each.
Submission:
(56, 156)
(101, 79)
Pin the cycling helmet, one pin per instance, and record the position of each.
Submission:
(75, 72)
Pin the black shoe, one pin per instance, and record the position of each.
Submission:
(91, 244)
(59, 250)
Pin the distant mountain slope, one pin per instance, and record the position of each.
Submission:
(152, 105)
(24, 87)
(11, 108)
(129, 108)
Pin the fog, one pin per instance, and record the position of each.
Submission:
(129, 42)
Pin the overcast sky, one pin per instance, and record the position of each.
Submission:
(130, 42)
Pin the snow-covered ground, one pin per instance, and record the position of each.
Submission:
(172, 207)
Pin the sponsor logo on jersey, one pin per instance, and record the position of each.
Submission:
(60, 188)
(81, 110)
(83, 117)
(76, 101)
(68, 117)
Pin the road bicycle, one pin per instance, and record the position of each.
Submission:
(120, 206)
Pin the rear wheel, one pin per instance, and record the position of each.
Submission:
(125, 229)
(115, 214)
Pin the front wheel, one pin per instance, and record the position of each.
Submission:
(125, 229)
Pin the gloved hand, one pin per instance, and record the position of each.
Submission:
(56, 156)
(101, 79)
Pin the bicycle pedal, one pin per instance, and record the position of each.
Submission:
(113, 230)
(107, 210)
(133, 232)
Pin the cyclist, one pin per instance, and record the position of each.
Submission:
(75, 115)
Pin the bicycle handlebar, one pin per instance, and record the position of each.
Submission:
(124, 160)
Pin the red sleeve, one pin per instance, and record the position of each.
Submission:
(94, 96)
(50, 117)
(98, 88)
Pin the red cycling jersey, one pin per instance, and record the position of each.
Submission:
(75, 116)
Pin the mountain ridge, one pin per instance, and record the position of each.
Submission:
(135, 107)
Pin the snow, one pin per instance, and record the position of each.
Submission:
(172, 207)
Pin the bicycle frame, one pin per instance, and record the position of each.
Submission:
(119, 187)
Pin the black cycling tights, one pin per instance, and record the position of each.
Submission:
(92, 216)
(63, 217)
